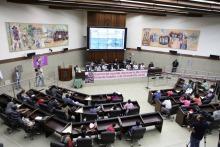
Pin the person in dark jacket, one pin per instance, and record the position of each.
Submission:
(175, 64)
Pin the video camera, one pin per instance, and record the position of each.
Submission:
(207, 116)
(36, 70)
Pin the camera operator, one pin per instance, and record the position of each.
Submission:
(40, 76)
(198, 132)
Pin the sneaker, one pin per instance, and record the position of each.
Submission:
(20, 88)
(42, 85)
(37, 86)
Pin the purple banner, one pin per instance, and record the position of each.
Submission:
(42, 61)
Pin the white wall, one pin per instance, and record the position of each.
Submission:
(10, 12)
(209, 35)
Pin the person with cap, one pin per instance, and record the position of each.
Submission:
(209, 95)
(40, 76)
(17, 77)
(157, 95)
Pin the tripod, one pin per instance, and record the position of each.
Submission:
(206, 132)
(147, 83)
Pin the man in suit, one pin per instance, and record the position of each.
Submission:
(175, 64)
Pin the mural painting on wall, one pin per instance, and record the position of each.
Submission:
(170, 38)
(28, 36)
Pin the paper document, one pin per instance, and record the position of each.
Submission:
(18, 106)
(119, 93)
(80, 110)
(88, 98)
(68, 129)
(38, 118)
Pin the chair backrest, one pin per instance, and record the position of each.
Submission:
(23, 125)
(2, 110)
(114, 113)
(138, 133)
(84, 142)
(30, 102)
(56, 144)
(214, 124)
(91, 116)
(193, 118)
(133, 111)
(107, 137)
(60, 114)
(19, 96)
(48, 92)
(174, 109)
(102, 101)
(6, 119)
(117, 100)
(44, 107)
(58, 95)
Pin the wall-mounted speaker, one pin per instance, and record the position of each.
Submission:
(214, 56)
(173, 52)
(139, 48)
(29, 54)
(65, 49)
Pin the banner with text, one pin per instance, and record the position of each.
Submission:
(120, 74)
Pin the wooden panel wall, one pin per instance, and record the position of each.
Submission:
(99, 19)
(106, 55)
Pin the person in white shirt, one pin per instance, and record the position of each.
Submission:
(189, 90)
(92, 63)
(118, 67)
(142, 66)
(77, 68)
(168, 106)
(112, 67)
(97, 68)
(128, 66)
(104, 67)
(40, 76)
(135, 66)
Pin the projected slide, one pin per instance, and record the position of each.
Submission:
(106, 38)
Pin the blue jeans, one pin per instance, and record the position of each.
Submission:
(42, 81)
(18, 84)
(194, 142)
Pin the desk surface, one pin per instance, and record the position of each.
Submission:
(130, 121)
(55, 125)
(103, 125)
(208, 109)
(151, 118)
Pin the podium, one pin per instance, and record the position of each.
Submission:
(65, 74)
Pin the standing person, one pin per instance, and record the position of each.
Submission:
(198, 132)
(175, 64)
(40, 76)
(17, 77)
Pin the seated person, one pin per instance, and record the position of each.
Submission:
(209, 95)
(135, 66)
(3, 103)
(16, 113)
(52, 105)
(128, 106)
(94, 110)
(142, 66)
(65, 139)
(183, 89)
(216, 113)
(111, 128)
(112, 67)
(190, 113)
(83, 135)
(104, 67)
(77, 68)
(128, 66)
(92, 63)
(67, 98)
(205, 85)
(97, 68)
(65, 93)
(184, 100)
(54, 91)
(168, 106)
(138, 125)
(9, 106)
(42, 100)
(90, 67)
(30, 123)
(151, 65)
(115, 61)
(169, 93)
(117, 67)
(157, 95)
(66, 108)
(188, 84)
(25, 96)
(114, 107)
(115, 96)
(189, 90)
(83, 127)
(102, 62)
(212, 87)
(196, 99)
(101, 97)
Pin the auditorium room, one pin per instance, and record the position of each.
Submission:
(116, 73)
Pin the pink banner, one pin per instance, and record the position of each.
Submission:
(120, 74)
(42, 61)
